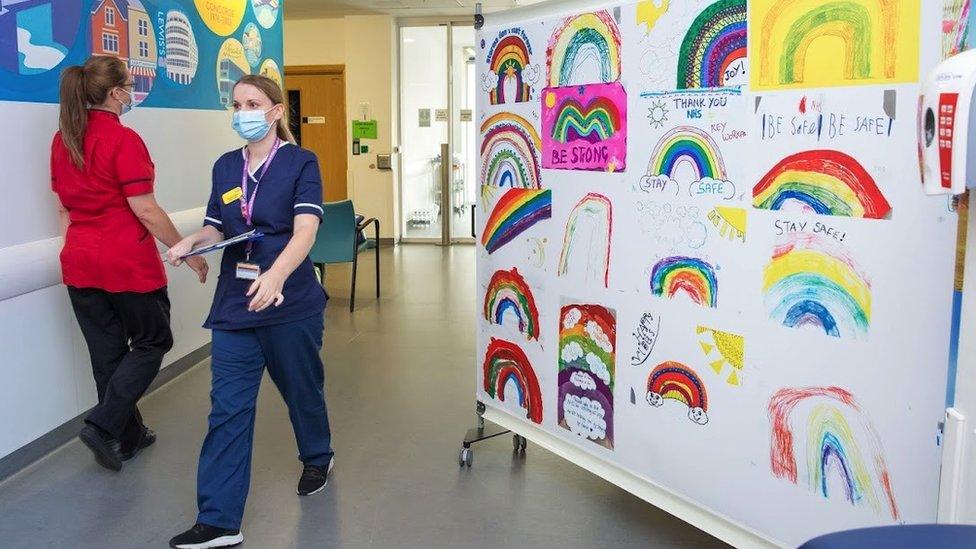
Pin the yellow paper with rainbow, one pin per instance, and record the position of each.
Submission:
(817, 43)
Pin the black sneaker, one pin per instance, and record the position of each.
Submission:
(147, 440)
(105, 447)
(314, 478)
(202, 536)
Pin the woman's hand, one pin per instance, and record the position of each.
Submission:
(175, 254)
(266, 290)
(199, 266)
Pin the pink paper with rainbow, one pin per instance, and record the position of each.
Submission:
(585, 128)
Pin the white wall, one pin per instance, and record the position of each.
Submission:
(46, 372)
(965, 401)
(366, 46)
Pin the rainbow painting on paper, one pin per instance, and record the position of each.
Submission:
(821, 435)
(713, 52)
(515, 212)
(508, 294)
(585, 49)
(688, 146)
(816, 43)
(586, 242)
(674, 381)
(509, 60)
(510, 153)
(689, 276)
(587, 358)
(825, 182)
(506, 363)
(812, 281)
(585, 128)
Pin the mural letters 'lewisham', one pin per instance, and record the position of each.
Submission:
(172, 47)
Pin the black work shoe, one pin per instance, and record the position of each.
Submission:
(147, 440)
(104, 446)
(202, 536)
(314, 478)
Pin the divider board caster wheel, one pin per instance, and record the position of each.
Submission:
(466, 457)
(519, 443)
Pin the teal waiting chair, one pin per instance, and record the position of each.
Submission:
(337, 241)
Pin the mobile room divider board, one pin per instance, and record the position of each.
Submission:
(712, 277)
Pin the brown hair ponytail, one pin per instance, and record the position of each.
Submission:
(271, 89)
(82, 87)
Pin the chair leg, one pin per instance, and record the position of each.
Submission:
(352, 295)
(377, 268)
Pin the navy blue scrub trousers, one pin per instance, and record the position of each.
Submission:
(291, 353)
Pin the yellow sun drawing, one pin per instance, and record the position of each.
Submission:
(649, 11)
(730, 222)
(730, 348)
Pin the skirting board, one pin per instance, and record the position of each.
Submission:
(22, 458)
(715, 524)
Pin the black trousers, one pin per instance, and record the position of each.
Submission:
(127, 335)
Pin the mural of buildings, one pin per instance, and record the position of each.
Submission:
(182, 56)
(36, 35)
(110, 28)
(142, 49)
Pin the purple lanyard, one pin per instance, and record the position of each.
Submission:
(247, 205)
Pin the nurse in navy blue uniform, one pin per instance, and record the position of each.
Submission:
(267, 310)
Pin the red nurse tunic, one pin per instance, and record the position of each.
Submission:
(106, 247)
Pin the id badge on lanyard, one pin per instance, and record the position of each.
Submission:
(245, 269)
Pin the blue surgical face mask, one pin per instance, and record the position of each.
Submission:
(127, 107)
(251, 125)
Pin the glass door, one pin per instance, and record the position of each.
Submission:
(438, 184)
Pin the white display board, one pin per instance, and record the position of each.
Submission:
(705, 260)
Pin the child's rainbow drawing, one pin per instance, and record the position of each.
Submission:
(514, 213)
(835, 441)
(675, 381)
(587, 358)
(730, 349)
(508, 293)
(509, 58)
(813, 43)
(584, 50)
(813, 281)
(510, 153)
(713, 53)
(825, 182)
(687, 275)
(690, 146)
(730, 222)
(585, 128)
(586, 242)
(505, 362)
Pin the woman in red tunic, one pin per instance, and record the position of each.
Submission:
(103, 177)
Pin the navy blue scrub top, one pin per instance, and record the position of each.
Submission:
(291, 186)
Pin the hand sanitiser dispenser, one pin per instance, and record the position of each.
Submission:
(946, 123)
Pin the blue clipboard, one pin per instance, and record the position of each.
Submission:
(244, 237)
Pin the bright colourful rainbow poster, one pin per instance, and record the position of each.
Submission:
(513, 75)
(587, 359)
(688, 276)
(675, 381)
(814, 43)
(812, 281)
(585, 128)
(586, 243)
(514, 213)
(585, 49)
(506, 363)
(713, 53)
(510, 152)
(823, 433)
(509, 294)
(826, 182)
(689, 146)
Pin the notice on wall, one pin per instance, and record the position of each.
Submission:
(467, 115)
(442, 115)
(364, 129)
(424, 118)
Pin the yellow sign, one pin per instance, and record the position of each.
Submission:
(234, 194)
(815, 43)
(221, 16)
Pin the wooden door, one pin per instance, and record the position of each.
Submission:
(319, 93)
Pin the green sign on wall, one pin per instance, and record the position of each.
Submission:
(364, 129)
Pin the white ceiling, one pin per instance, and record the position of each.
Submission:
(299, 9)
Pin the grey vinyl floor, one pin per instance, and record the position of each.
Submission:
(400, 384)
